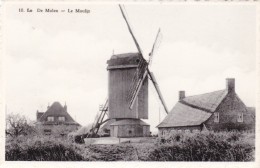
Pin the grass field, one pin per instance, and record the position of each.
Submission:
(222, 146)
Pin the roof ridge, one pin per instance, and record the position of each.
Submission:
(194, 106)
(205, 93)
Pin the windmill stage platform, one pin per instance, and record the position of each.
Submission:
(115, 140)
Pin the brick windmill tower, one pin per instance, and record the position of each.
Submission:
(127, 102)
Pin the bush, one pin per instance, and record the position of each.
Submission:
(40, 149)
(207, 146)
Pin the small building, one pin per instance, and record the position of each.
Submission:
(218, 110)
(129, 128)
(56, 120)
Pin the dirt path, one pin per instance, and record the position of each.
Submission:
(120, 152)
(136, 150)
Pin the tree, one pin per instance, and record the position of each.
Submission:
(17, 125)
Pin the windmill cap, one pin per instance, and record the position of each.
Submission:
(124, 59)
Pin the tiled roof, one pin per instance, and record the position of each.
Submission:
(183, 115)
(56, 110)
(207, 102)
(193, 110)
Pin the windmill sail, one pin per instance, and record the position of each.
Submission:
(142, 69)
(158, 90)
(155, 45)
(122, 9)
(134, 91)
(142, 72)
(137, 76)
(138, 86)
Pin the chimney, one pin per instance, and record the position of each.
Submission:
(37, 116)
(181, 94)
(230, 84)
(65, 107)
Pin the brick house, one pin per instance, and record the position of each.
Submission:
(218, 110)
(56, 120)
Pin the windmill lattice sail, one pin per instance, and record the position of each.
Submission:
(138, 76)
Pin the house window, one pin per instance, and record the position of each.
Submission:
(61, 118)
(187, 131)
(240, 117)
(162, 132)
(50, 119)
(47, 132)
(196, 131)
(216, 117)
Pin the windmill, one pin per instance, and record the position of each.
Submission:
(128, 91)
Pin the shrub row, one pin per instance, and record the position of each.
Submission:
(40, 149)
(207, 146)
(222, 146)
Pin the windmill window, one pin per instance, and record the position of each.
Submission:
(216, 117)
(240, 117)
(61, 118)
(50, 119)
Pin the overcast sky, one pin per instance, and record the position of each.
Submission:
(62, 57)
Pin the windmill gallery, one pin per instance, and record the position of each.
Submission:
(127, 105)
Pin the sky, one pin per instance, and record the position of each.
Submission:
(62, 56)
